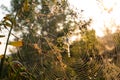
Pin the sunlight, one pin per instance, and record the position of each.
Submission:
(73, 38)
(108, 5)
(104, 13)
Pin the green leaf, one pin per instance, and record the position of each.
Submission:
(7, 24)
(2, 36)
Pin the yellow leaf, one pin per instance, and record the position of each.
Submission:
(7, 17)
(26, 5)
(37, 47)
(54, 1)
(1, 56)
(16, 43)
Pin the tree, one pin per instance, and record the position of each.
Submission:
(47, 48)
(44, 50)
(40, 37)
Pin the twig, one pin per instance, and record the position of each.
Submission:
(12, 34)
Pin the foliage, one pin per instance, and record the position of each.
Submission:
(45, 28)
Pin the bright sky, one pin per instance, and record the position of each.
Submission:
(5, 3)
(104, 13)
(4, 32)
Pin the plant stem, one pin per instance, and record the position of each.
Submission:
(3, 59)
(6, 46)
